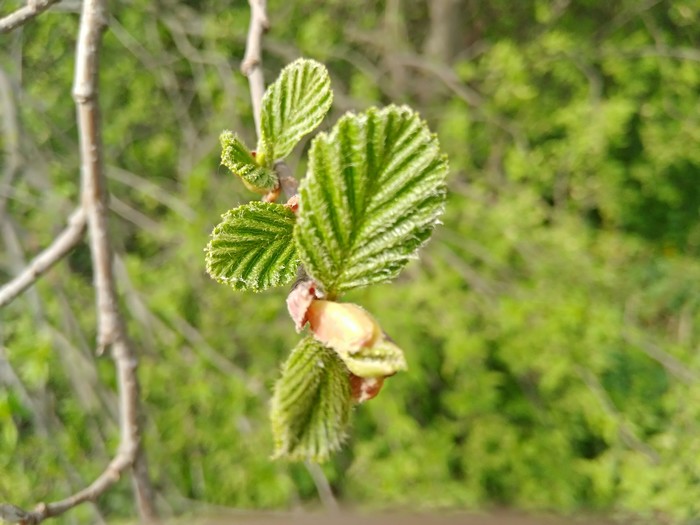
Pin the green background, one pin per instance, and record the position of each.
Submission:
(551, 325)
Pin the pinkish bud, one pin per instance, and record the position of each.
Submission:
(293, 203)
(365, 388)
(345, 327)
(299, 299)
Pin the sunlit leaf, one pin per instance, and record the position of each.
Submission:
(312, 403)
(373, 193)
(293, 106)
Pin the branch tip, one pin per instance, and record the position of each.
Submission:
(24, 14)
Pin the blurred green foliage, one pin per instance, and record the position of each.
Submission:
(551, 326)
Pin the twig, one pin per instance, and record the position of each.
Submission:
(669, 362)
(145, 186)
(625, 431)
(24, 14)
(252, 60)
(47, 421)
(469, 95)
(135, 217)
(672, 365)
(11, 134)
(43, 262)
(288, 183)
(323, 487)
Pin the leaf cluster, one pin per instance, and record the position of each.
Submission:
(373, 193)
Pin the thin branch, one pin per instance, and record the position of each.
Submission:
(11, 135)
(93, 191)
(111, 325)
(625, 431)
(323, 487)
(61, 246)
(24, 14)
(252, 60)
(17, 262)
(445, 30)
(469, 95)
(145, 186)
(43, 407)
(135, 217)
(670, 363)
(288, 183)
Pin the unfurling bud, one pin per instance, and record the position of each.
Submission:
(344, 327)
(356, 337)
(299, 299)
(248, 166)
(293, 203)
(368, 353)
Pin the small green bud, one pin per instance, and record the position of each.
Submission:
(246, 165)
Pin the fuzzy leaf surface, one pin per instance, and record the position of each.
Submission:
(238, 158)
(312, 403)
(293, 106)
(252, 247)
(373, 193)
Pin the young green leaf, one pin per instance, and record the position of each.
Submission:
(252, 248)
(311, 404)
(236, 157)
(373, 193)
(293, 106)
(384, 358)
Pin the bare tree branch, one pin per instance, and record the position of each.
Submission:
(252, 60)
(61, 246)
(156, 192)
(93, 190)
(445, 29)
(111, 326)
(24, 14)
(10, 135)
(625, 430)
(323, 487)
(658, 354)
